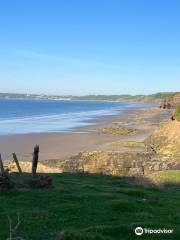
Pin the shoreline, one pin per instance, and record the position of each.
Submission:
(61, 122)
(96, 120)
(87, 138)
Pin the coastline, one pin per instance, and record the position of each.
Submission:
(88, 138)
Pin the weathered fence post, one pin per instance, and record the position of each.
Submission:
(1, 166)
(35, 160)
(17, 162)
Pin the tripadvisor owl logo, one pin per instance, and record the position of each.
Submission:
(139, 231)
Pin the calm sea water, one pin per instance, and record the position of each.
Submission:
(38, 116)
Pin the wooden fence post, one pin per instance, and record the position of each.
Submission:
(17, 162)
(1, 166)
(35, 160)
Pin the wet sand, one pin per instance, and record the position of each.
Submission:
(90, 138)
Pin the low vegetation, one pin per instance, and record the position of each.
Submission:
(163, 95)
(88, 207)
(117, 129)
(128, 144)
(177, 113)
(165, 177)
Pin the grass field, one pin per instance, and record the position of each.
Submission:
(177, 113)
(90, 207)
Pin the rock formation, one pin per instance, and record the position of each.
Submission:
(166, 142)
(167, 103)
(170, 101)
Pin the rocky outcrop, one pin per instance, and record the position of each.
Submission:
(167, 103)
(165, 141)
(113, 163)
(110, 163)
(117, 129)
(176, 99)
(170, 101)
(118, 163)
(162, 153)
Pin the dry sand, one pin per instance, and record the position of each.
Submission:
(65, 145)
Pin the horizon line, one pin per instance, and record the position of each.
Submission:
(72, 95)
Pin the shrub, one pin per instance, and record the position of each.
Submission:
(41, 182)
(5, 182)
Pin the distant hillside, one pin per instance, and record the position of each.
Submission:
(155, 98)
(107, 97)
(31, 96)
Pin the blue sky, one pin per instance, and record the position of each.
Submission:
(89, 47)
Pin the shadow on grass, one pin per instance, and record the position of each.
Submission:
(89, 206)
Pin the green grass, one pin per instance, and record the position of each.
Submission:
(170, 176)
(90, 207)
(163, 95)
(177, 113)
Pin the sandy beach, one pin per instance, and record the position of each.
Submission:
(90, 138)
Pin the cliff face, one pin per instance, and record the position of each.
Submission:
(113, 163)
(176, 99)
(170, 101)
(165, 141)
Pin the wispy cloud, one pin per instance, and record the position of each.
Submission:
(44, 56)
(75, 61)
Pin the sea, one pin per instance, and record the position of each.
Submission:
(48, 116)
